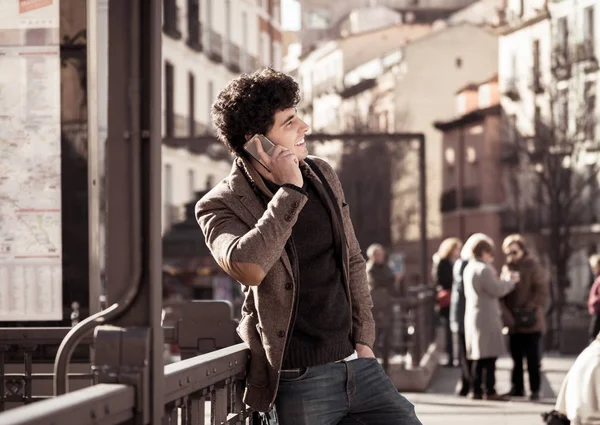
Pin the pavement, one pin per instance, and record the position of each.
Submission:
(439, 405)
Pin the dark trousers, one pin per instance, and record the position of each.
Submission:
(525, 345)
(594, 327)
(466, 365)
(445, 314)
(483, 375)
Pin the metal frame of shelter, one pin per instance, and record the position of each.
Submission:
(132, 385)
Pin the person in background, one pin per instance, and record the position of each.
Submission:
(594, 297)
(443, 261)
(457, 314)
(525, 308)
(483, 321)
(382, 283)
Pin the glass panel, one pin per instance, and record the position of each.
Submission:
(43, 148)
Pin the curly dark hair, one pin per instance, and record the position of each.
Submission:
(248, 105)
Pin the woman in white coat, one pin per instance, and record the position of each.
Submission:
(483, 317)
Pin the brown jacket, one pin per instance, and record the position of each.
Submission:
(531, 292)
(248, 241)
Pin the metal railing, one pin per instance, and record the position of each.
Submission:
(405, 327)
(196, 389)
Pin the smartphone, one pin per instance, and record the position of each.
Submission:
(267, 145)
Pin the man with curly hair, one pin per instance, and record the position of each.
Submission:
(284, 232)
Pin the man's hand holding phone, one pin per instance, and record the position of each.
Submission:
(282, 164)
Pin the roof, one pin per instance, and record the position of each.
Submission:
(468, 118)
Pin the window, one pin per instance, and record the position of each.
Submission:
(265, 48)
(191, 105)
(209, 95)
(590, 110)
(169, 100)
(484, 96)
(209, 13)
(461, 103)
(191, 183)
(317, 19)
(277, 55)
(536, 56)
(562, 33)
(450, 156)
(588, 30)
(228, 19)
(276, 13)
(169, 217)
(563, 111)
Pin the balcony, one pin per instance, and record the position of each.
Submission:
(561, 65)
(585, 54)
(448, 203)
(194, 40)
(535, 81)
(511, 89)
(171, 19)
(233, 57)
(471, 198)
(248, 62)
(214, 45)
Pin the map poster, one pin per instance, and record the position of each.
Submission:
(30, 162)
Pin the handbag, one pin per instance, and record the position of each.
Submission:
(525, 318)
(443, 298)
(555, 418)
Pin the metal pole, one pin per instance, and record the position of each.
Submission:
(93, 157)
(423, 202)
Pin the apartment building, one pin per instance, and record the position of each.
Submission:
(473, 194)
(324, 20)
(322, 72)
(549, 81)
(434, 68)
(206, 43)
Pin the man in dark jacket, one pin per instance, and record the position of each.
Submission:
(525, 306)
(280, 226)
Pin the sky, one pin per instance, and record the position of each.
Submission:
(290, 15)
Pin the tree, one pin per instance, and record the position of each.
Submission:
(555, 170)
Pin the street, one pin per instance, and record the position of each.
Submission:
(439, 405)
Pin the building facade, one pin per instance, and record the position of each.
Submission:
(434, 68)
(324, 20)
(549, 83)
(473, 197)
(206, 43)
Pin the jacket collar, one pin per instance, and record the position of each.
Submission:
(244, 176)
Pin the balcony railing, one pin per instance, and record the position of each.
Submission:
(449, 201)
(248, 62)
(194, 40)
(208, 382)
(471, 198)
(213, 45)
(561, 65)
(171, 19)
(585, 52)
(511, 89)
(233, 57)
(535, 81)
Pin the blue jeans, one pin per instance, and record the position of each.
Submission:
(350, 392)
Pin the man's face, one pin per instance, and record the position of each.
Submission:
(513, 253)
(288, 131)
